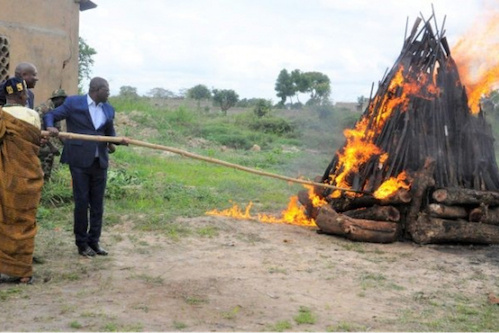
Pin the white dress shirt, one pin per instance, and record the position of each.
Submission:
(97, 115)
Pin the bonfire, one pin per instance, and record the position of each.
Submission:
(420, 163)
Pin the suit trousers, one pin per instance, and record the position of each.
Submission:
(89, 185)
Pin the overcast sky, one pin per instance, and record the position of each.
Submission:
(244, 44)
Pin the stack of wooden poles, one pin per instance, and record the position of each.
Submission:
(426, 128)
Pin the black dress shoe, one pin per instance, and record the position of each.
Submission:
(98, 250)
(86, 251)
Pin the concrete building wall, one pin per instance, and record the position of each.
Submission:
(45, 33)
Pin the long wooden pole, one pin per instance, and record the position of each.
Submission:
(118, 139)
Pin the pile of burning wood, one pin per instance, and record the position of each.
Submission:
(419, 163)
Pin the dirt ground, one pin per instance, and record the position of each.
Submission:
(240, 275)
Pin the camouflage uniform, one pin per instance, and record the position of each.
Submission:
(52, 148)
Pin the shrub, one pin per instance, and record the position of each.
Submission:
(234, 140)
(120, 182)
(262, 108)
(58, 190)
(273, 125)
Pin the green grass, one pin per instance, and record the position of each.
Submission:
(75, 325)
(194, 300)
(232, 313)
(450, 316)
(344, 326)
(305, 316)
(148, 279)
(9, 293)
(164, 187)
(280, 326)
(178, 325)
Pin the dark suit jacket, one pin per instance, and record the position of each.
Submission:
(31, 100)
(81, 153)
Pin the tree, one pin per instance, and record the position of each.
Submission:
(262, 107)
(249, 103)
(85, 61)
(284, 86)
(300, 82)
(225, 99)
(128, 92)
(317, 84)
(160, 93)
(199, 92)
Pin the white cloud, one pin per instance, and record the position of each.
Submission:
(243, 45)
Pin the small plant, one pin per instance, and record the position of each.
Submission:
(70, 276)
(57, 191)
(193, 300)
(113, 327)
(119, 183)
(208, 231)
(371, 280)
(75, 324)
(277, 270)
(344, 326)
(281, 326)
(5, 294)
(177, 325)
(231, 314)
(304, 316)
(110, 327)
(158, 280)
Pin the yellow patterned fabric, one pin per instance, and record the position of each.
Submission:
(24, 113)
(21, 181)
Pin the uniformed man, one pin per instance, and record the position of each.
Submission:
(53, 146)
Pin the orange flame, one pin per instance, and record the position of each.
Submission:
(294, 213)
(314, 198)
(475, 54)
(391, 185)
(234, 212)
(360, 146)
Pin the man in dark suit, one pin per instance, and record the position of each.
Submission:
(90, 114)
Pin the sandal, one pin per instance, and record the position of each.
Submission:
(4, 278)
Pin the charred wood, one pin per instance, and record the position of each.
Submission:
(431, 230)
(304, 199)
(422, 181)
(466, 196)
(447, 212)
(346, 203)
(331, 222)
(377, 213)
(485, 214)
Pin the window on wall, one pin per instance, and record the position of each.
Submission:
(4, 58)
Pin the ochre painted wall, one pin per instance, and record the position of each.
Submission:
(45, 33)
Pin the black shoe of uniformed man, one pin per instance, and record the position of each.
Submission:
(86, 251)
(98, 250)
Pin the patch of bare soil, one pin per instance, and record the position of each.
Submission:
(240, 275)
